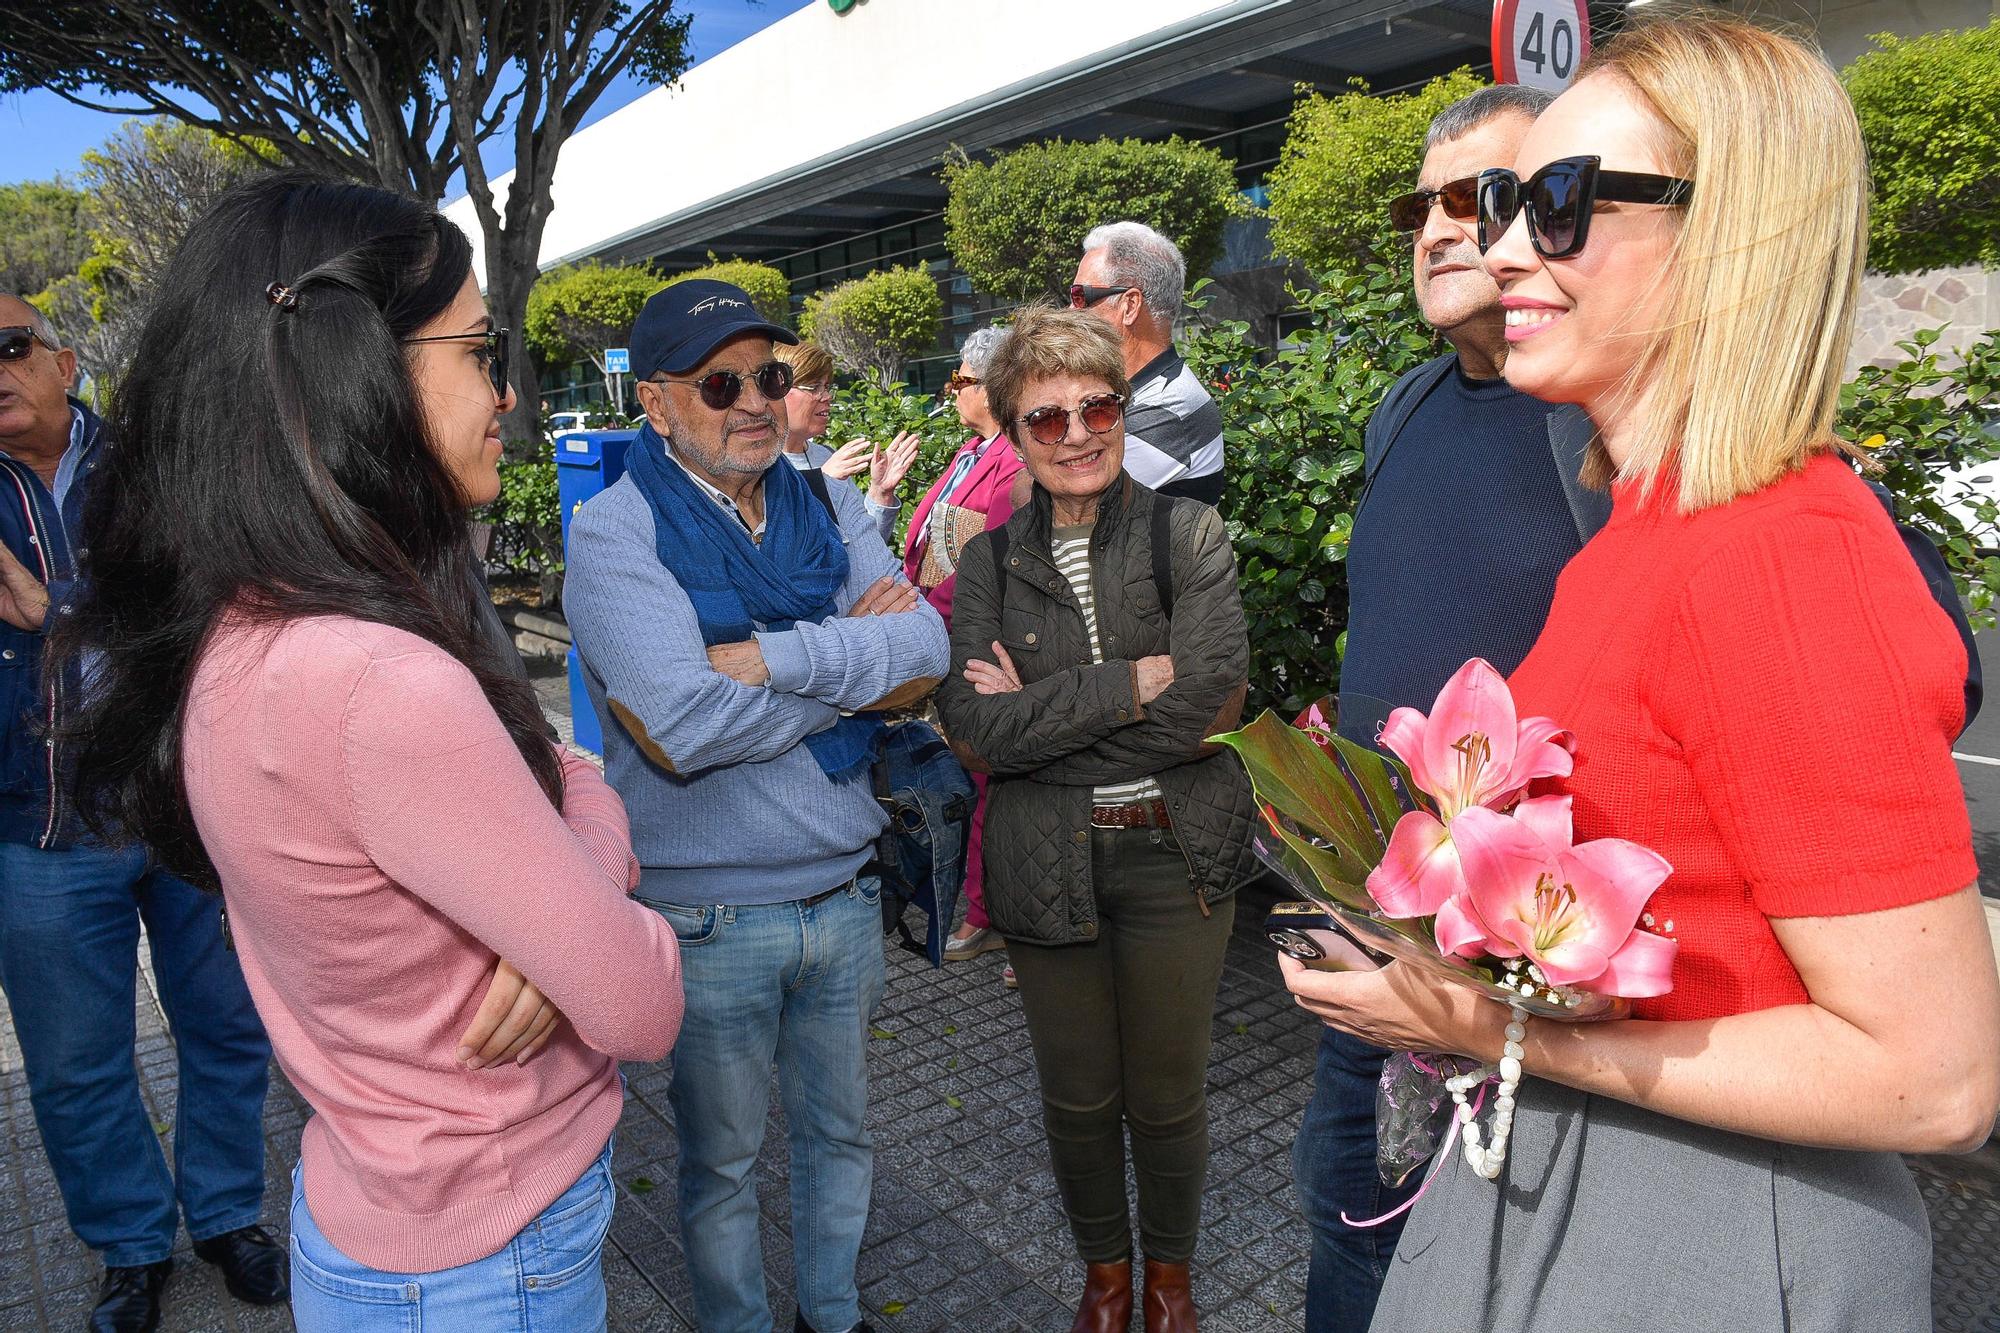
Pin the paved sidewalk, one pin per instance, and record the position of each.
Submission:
(964, 1232)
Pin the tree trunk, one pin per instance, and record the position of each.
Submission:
(509, 277)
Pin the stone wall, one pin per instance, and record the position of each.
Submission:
(1895, 305)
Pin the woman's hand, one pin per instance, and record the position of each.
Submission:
(887, 468)
(1399, 1008)
(24, 602)
(987, 678)
(514, 1021)
(1155, 675)
(848, 460)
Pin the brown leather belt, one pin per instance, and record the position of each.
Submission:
(1139, 814)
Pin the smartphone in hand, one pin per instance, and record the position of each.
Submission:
(1309, 933)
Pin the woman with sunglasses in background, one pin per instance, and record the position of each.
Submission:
(808, 409)
(978, 490)
(292, 698)
(1097, 640)
(1763, 691)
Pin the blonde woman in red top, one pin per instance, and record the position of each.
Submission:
(1763, 691)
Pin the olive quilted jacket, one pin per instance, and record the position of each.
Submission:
(1075, 724)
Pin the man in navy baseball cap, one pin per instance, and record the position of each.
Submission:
(739, 635)
(683, 323)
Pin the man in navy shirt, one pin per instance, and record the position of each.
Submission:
(1459, 462)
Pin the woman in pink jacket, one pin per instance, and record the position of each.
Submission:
(291, 699)
(976, 491)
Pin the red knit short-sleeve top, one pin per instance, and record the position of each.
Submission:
(1766, 694)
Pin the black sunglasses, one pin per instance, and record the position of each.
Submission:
(1083, 297)
(1409, 212)
(16, 341)
(491, 354)
(721, 388)
(1099, 413)
(1559, 199)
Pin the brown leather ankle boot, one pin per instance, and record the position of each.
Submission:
(1107, 1299)
(1169, 1303)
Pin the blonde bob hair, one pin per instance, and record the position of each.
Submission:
(1739, 383)
(1044, 343)
(809, 361)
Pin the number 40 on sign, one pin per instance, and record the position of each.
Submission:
(1539, 42)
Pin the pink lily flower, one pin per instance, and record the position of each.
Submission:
(1472, 749)
(1571, 909)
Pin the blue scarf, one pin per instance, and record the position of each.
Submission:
(737, 584)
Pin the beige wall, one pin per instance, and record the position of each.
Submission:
(1844, 26)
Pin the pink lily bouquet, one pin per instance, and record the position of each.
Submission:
(1438, 857)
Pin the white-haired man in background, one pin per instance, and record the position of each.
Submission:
(1135, 280)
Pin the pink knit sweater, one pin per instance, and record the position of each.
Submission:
(381, 844)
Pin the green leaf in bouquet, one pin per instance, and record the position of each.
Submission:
(1339, 879)
(1298, 779)
(1372, 771)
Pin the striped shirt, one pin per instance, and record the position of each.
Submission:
(1071, 547)
(1173, 430)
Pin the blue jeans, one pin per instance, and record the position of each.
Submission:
(69, 962)
(1333, 1165)
(794, 984)
(548, 1279)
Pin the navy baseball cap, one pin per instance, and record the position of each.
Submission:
(680, 325)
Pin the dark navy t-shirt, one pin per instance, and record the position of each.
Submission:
(1455, 550)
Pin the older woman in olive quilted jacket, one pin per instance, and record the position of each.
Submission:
(1097, 640)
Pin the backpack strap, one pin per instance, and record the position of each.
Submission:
(1163, 553)
(817, 481)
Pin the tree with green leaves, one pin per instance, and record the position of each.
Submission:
(143, 188)
(769, 289)
(401, 93)
(1343, 158)
(1930, 115)
(43, 234)
(1015, 225)
(871, 325)
(579, 310)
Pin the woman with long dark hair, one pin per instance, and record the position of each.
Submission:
(291, 699)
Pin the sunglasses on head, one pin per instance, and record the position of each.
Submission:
(491, 354)
(1083, 296)
(721, 388)
(1409, 212)
(1099, 413)
(1559, 200)
(16, 341)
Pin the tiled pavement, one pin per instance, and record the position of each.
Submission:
(964, 1232)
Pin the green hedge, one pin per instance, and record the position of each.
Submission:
(872, 324)
(1343, 159)
(1930, 114)
(1015, 226)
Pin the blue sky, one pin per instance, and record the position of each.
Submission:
(42, 135)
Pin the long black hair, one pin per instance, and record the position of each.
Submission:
(269, 460)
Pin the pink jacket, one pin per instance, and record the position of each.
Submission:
(381, 844)
(985, 489)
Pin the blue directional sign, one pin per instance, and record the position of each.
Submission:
(617, 361)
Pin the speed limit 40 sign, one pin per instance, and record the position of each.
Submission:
(1539, 42)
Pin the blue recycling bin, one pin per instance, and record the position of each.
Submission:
(587, 461)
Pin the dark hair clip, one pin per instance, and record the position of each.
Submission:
(282, 296)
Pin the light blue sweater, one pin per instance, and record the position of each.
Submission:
(745, 816)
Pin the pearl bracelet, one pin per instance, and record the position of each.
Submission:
(1487, 1158)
